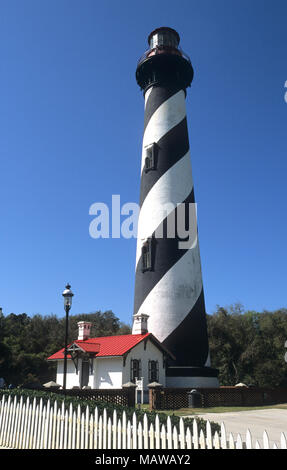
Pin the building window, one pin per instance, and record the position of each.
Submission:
(150, 157)
(147, 255)
(153, 374)
(135, 369)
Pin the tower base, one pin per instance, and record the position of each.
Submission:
(195, 377)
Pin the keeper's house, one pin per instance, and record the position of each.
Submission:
(111, 361)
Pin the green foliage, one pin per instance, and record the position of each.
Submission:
(26, 342)
(248, 346)
(110, 407)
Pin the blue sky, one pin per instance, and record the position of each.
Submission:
(71, 122)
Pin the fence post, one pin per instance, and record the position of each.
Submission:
(70, 420)
(155, 393)
(87, 427)
(91, 428)
(231, 441)
(265, 441)
(115, 419)
(100, 440)
(66, 429)
(39, 423)
(124, 430)
(181, 434)
(46, 429)
(110, 433)
(145, 431)
(78, 431)
(130, 391)
(151, 437)
(12, 422)
(119, 435)
(223, 440)
(216, 441)
(54, 425)
(202, 440)
(208, 435)
(24, 433)
(169, 433)
(188, 438)
(175, 438)
(74, 426)
(5, 421)
(129, 436)
(62, 417)
(157, 432)
(283, 441)
(105, 428)
(17, 418)
(2, 412)
(239, 443)
(163, 437)
(195, 437)
(248, 440)
(96, 427)
(134, 431)
(140, 436)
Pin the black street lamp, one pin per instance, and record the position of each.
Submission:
(67, 294)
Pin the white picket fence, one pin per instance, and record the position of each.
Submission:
(26, 424)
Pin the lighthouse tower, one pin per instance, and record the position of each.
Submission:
(168, 281)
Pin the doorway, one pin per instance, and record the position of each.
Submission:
(85, 373)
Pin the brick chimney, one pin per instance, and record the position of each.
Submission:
(84, 330)
(140, 324)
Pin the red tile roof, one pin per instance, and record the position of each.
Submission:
(105, 345)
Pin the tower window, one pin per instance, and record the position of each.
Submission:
(153, 374)
(147, 255)
(150, 157)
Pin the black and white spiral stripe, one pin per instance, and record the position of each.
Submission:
(172, 292)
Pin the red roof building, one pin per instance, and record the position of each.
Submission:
(105, 346)
(112, 361)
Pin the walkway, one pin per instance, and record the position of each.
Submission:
(274, 421)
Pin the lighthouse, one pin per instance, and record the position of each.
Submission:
(168, 278)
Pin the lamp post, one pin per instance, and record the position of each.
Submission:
(67, 294)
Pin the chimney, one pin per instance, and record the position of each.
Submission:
(140, 324)
(84, 330)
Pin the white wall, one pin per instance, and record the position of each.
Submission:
(145, 355)
(72, 379)
(108, 372)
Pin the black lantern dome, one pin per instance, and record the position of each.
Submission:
(164, 62)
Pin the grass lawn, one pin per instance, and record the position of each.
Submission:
(218, 409)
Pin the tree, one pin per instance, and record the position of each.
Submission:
(26, 342)
(248, 346)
